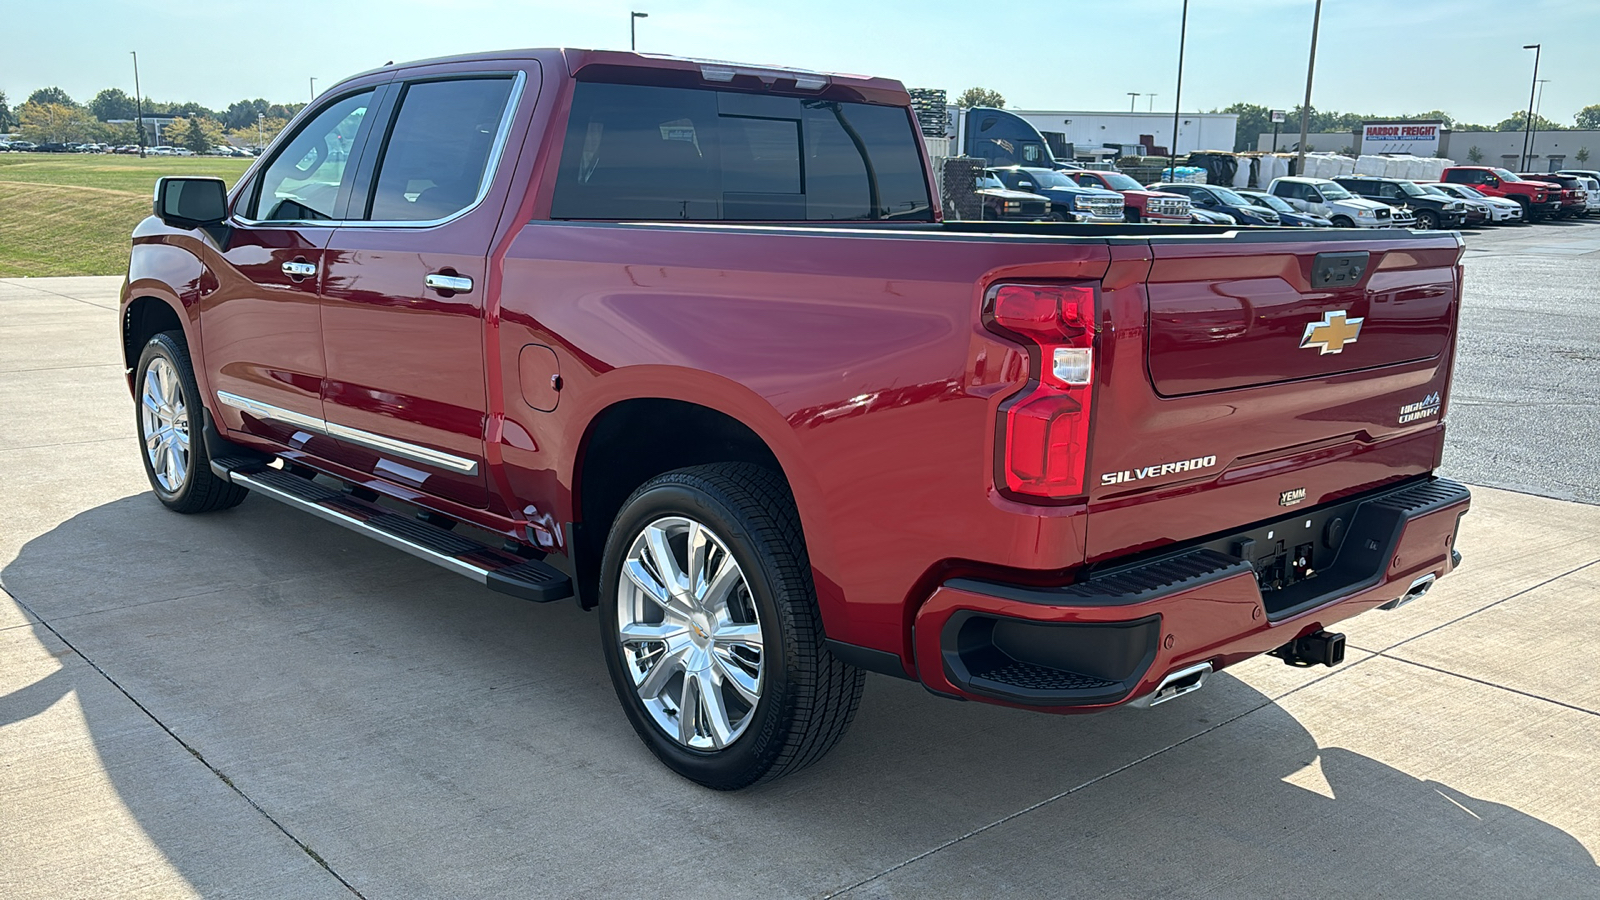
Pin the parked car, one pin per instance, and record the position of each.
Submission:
(1000, 202)
(1217, 198)
(23, 146)
(52, 147)
(1591, 184)
(1537, 199)
(1210, 217)
(1287, 215)
(1430, 211)
(1496, 210)
(1068, 200)
(1328, 199)
(1139, 204)
(1574, 198)
(781, 430)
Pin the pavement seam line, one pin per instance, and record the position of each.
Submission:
(1530, 695)
(1271, 701)
(304, 847)
(63, 444)
(1464, 616)
(17, 282)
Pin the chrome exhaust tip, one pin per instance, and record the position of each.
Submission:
(1417, 589)
(1186, 680)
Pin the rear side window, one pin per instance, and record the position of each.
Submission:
(641, 152)
(436, 155)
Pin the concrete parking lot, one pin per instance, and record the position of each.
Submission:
(259, 704)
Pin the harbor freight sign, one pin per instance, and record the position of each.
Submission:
(1415, 138)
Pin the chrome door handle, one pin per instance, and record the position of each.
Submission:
(299, 269)
(456, 284)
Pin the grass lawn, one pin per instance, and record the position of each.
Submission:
(72, 214)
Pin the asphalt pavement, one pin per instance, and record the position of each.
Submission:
(1527, 381)
(259, 704)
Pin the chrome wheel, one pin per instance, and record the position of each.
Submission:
(689, 634)
(164, 421)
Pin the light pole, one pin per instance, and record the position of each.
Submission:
(1177, 100)
(1152, 106)
(1305, 108)
(313, 87)
(1133, 97)
(261, 130)
(1534, 121)
(1527, 127)
(138, 105)
(633, 32)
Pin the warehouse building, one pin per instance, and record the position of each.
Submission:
(1127, 131)
(1552, 150)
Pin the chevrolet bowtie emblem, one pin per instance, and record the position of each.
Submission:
(1332, 333)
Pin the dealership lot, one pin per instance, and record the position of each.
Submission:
(259, 704)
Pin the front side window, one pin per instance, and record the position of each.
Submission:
(642, 152)
(435, 156)
(307, 178)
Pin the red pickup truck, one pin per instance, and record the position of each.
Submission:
(690, 343)
(1538, 200)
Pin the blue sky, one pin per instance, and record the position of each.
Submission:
(1380, 56)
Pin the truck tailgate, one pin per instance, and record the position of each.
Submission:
(1252, 375)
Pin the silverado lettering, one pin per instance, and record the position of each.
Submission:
(693, 345)
(1186, 465)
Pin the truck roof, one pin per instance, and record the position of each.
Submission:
(711, 71)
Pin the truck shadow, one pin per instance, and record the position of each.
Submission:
(426, 737)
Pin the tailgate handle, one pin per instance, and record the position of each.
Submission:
(1338, 269)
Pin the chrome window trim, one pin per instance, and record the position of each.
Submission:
(491, 168)
(414, 452)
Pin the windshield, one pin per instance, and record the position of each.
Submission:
(1431, 189)
(1270, 202)
(990, 182)
(1411, 190)
(1331, 191)
(1121, 182)
(1048, 179)
(1462, 190)
(1228, 197)
(1506, 176)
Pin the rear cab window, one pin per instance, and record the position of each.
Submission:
(650, 153)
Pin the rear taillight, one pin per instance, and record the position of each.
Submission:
(1044, 428)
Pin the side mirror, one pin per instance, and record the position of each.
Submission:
(190, 202)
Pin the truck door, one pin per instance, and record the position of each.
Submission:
(262, 317)
(405, 283)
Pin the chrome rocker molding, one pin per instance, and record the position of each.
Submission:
(366, 439)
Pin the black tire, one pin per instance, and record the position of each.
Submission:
(200, 490)
(1131, 215)
(807, 697)
(1529, 214)
(1427, 220)
(1342, 222)
(1060, 217)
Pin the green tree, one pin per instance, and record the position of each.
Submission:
(980, 96)
(188, 133)
(51, 95)
(242, 113)
(1474, 154)
(112, 103)
(1588, 118)
(7, 120)
(1518, 121)
(1582, 155)
(52, 122)
(1254, 119)
(253, 136)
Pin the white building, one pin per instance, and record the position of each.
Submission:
(1087, 130)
